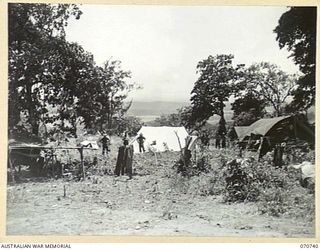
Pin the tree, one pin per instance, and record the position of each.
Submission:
(130, 124)
(54, 81)
(103, 104)
(80, 79)
(185, 114)
(245, 118)
(115, 81)
(36, 35)
(271, 83)
(216, 83)
(248, 108)
(297, 32)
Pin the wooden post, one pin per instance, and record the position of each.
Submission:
(11, 166)
(64, 191)
(82, 163)
(155, 155)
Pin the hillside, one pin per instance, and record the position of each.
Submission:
(158, 108)
(155, 108)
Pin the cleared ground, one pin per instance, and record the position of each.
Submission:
(155, 202)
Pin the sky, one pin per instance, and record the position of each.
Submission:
(161, 45)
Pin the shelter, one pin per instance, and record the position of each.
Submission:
(159, 139)
(280, 128)
(264, 134)
(241, 131)
(89, 144)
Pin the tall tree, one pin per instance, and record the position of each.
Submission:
(103, 105)
(46, 72)
(216, 83)
(271, 83)
(116, 82)
(36, 35)
(297, 32)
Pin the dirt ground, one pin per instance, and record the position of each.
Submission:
(155, 202)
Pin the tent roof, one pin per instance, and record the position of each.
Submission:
(241, 131)
(263, 126)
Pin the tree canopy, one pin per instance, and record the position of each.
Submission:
(36, 63)
(297, 32)
(271, 83)
(248, 108)
(48, 73)
(216, 83)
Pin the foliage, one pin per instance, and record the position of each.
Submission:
(248, 108)
(183, 117)
(104, 104)
(130, 124)
(54, 81)
(173, 120)
(216, 83)
(36, 39)
(277, 191)
(186, 119)
(204, 136)
(297, 32)
(270, 82)
(245, 118)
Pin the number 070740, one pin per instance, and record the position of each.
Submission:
(309, 246)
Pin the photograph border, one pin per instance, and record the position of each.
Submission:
(131, 238)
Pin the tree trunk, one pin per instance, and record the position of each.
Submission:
(222, 124)
(110, 113)
(221, 110)
(32, 111)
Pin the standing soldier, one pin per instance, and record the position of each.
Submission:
(141, 140)
(105, 140)
(125, 158)
(125, 139)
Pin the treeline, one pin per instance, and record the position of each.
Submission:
(55, 81)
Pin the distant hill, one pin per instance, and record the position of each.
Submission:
(148, 111)
(155, 108)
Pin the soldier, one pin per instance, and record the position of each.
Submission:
(125, 139)
(105, 140)
(141, 140)
(125, 158)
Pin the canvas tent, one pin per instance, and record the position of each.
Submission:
(160, 139)
(263, 126)
(89, 144)
(279, 128)
(241, 131)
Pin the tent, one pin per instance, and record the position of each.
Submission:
(264, 134)
(263, 126)
(279, 128)
(241, 131)
(159, 139)
(89, 144)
